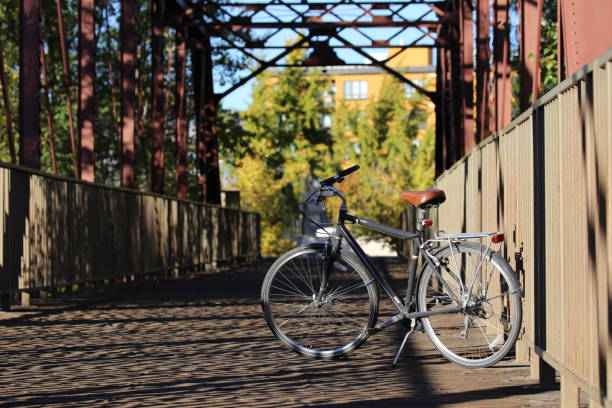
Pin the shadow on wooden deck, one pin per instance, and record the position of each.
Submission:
(203, 342)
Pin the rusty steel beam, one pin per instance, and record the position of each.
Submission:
(128, 94)
(483, 109)
(181, 117)
(211, 178)
(467, 67)
(324, 26)
(318, 6)
(263, 67)
(440, 153)
(29, 86)
(530, 28)
(502, 86)
(86, 112)
(157, 96)
(372, 46)
(196, 69)
(586, 32)
(393, 72)
(450, 120)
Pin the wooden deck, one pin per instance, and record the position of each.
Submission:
(203, 342)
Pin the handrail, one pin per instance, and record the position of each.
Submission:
(56, 231)
(545, 181)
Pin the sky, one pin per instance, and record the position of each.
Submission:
(241, 97)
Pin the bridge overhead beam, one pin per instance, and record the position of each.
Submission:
(29, 86)
(530, 27)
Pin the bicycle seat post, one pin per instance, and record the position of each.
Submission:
(421, 216)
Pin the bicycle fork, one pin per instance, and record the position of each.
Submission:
(332, 254)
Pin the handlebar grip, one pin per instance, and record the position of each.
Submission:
(338, 177)
(348, 171)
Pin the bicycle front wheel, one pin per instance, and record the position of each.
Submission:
(485, 287)
(331, 328)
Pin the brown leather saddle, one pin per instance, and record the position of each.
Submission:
(425, 198)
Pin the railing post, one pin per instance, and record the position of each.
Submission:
(570, 393)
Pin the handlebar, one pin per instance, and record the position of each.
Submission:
(339, 178)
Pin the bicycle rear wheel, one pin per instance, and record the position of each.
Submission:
(334, 327)
(487, 326)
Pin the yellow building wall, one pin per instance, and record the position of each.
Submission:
(412, 57)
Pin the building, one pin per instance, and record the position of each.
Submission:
(359, 84)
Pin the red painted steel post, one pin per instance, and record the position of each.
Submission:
(128, 95)
(157, 96)
(483, 109)
(530, 29)
(467, 67)
(210, 104)
(196, 69)
(440, 153)
(586, 31)
(455, 87)
(87, 73)
(181, 119)
(501, 56)
(29, 85)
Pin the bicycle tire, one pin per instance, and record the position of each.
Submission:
(493, 306)
(335, 328)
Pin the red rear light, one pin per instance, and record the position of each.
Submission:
(497, 238)
(427, 223)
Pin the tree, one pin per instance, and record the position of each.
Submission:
(283, 148)
(394, 154)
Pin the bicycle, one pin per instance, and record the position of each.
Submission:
(321, 300)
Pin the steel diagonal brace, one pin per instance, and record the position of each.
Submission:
(431, 95)
(264, 66)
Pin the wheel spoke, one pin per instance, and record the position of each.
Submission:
(331, 328)
(489, 326)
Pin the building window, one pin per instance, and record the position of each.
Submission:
(355, 89)
(410, 91)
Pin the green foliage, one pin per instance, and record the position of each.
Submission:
(280, 150)
(107, 92)
(548, 44)
(394, 155)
